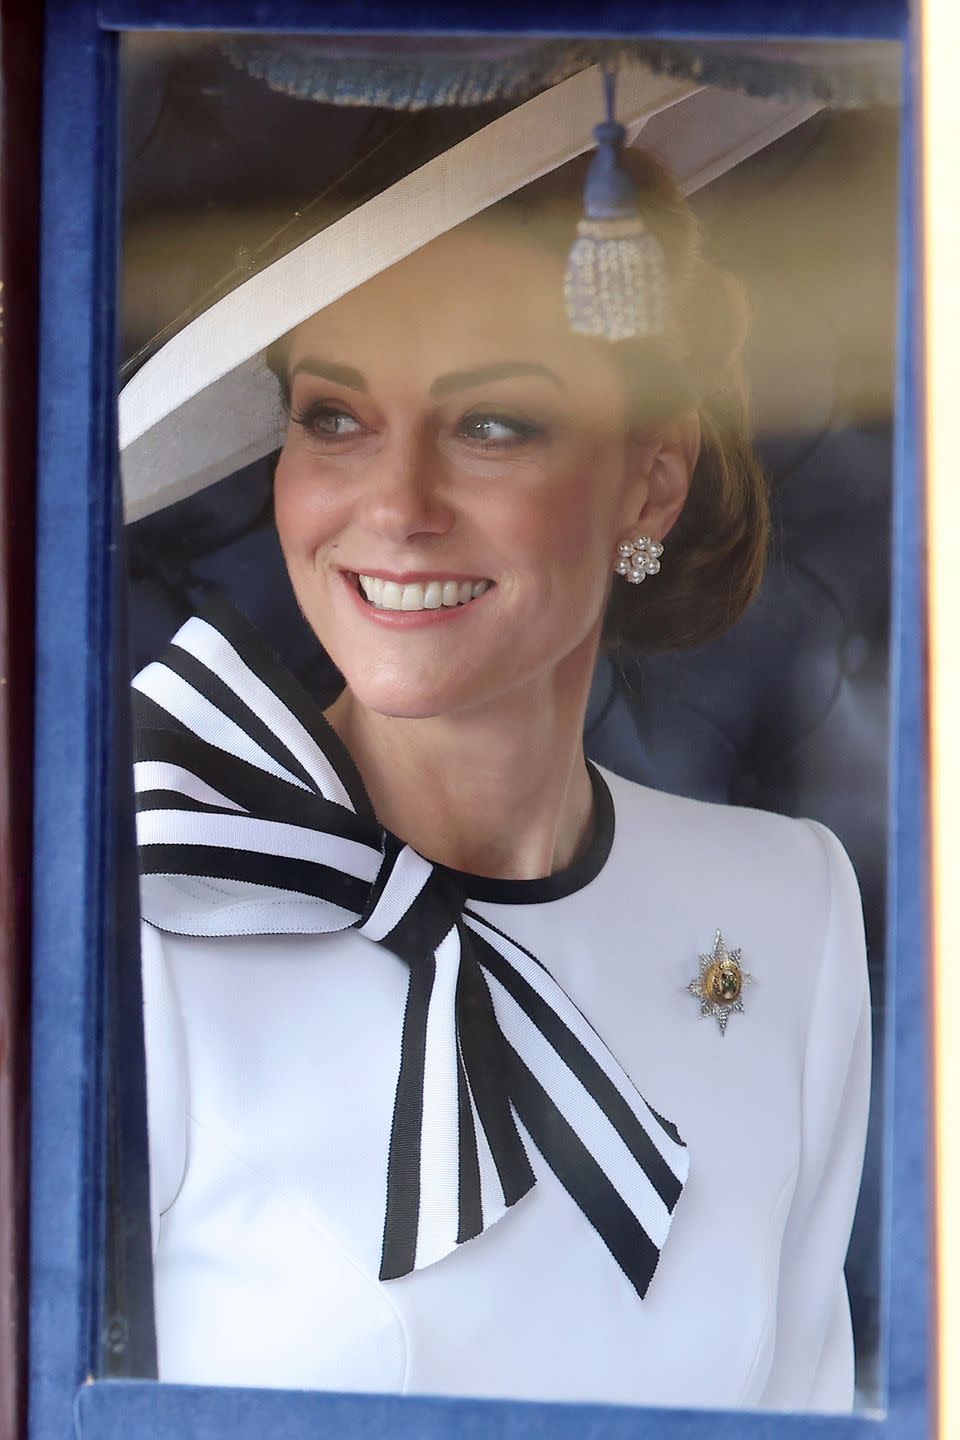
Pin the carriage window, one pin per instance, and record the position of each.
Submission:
(506, 434)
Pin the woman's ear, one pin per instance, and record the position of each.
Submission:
(665, 463)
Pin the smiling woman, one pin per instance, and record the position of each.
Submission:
(430, 446)
(430, 1088)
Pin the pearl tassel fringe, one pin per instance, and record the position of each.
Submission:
(616, 284)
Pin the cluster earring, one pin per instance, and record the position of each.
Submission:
(636, 559)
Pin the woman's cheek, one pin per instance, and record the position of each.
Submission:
(306, 507)
(564, 527)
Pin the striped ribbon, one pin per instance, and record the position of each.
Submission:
(252, 821)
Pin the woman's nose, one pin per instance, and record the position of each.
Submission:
(405, 492)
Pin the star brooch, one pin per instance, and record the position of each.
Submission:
(719, 986)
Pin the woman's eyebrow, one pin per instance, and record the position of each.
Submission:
(344, 375)
(352, 379)
(463, 379)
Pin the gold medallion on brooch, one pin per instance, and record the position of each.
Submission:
(719, 986)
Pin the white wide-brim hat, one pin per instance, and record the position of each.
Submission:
(205, 405)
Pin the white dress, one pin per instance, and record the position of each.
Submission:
(272, 1067)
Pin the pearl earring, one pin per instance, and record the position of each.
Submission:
(636, 559)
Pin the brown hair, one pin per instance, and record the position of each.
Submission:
(714, 555)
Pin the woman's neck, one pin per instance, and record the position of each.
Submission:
(501, 791)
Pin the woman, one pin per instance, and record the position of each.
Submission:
(474, 1069)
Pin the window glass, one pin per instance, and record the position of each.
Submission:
(473, 1068)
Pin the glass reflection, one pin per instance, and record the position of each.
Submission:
(345, 1135)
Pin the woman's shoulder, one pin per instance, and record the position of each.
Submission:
(730, 839)
(784, 887)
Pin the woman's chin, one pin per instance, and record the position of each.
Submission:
(406, 701)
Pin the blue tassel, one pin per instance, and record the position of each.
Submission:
(616, 281)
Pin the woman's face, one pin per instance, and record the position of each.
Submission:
(455, 479)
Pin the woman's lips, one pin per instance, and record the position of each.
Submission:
(410, 601)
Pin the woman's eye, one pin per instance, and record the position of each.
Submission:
(327, 422)
(497, 430)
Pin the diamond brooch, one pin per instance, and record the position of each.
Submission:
(720, 984)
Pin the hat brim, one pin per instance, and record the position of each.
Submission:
(206, 405)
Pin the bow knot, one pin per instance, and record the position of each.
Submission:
(252, 820)
(412, 905)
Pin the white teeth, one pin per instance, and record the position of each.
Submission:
(388, 595)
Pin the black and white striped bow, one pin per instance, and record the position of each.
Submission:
(241, 782)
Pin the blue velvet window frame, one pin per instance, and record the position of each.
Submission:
(76, 617)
